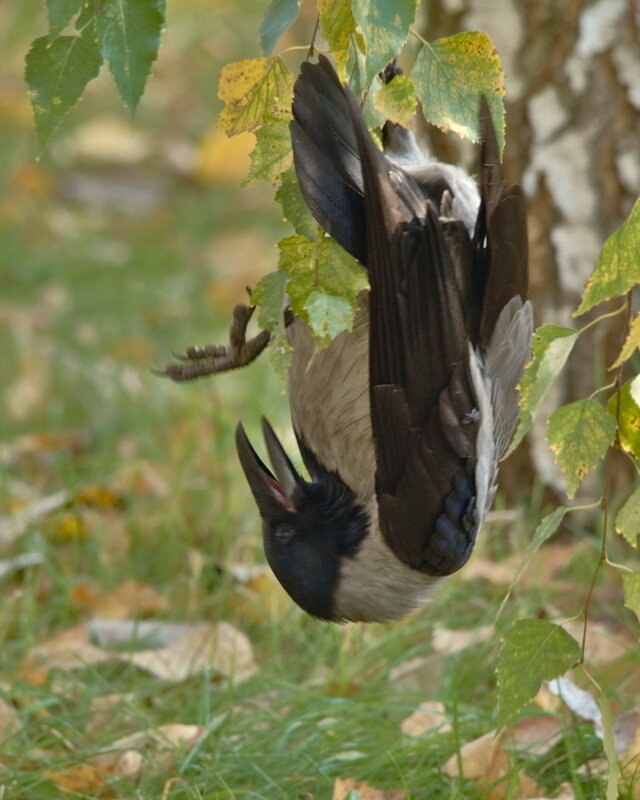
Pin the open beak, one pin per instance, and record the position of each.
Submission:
(272, 494)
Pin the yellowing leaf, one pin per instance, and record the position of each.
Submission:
(397, 100)
(631, 583)
(385, 28)
(272, 154)
(252, 88)
(618, 267)
(321, 268)
(629, 420)
(450, 74)
(631, 344)
(337, 25)
(579, 435)
(628, 519)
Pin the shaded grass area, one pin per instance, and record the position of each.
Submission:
(91, 295)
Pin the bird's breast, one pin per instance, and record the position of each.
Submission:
(329, 398)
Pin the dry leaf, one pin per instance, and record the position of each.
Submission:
(486, 762)
(546, 700)
(12, 526)
(625, 731)
(428, 716)
(603, 644)
(448, 641)
(343, 786)
(99, 497)
(70, 649)
(536, 734)
(500, 573)
(579, 701)
(124, 757)
(85, 779)
(220, 647)
(130, 599)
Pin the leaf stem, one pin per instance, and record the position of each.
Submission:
(603, 316)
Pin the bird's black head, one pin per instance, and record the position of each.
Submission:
(307, 526)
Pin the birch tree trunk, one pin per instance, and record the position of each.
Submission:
(573, 141)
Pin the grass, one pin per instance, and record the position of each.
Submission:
(91, 297)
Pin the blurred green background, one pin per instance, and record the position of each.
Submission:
(128, 239)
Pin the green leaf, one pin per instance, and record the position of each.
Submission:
(269, 295)
(294, 208)
(385, 28)
(629, 420)
(628, 519)
(328, 315)
(631, 344)
(129, 34)
(532, 651)
(631, 585)
(60, 14)
(618, 267)
(547, 527)
(278, 17)
(337, 25)
(551, 346)
(396, 100)
(323, 267)
(252, 88)
(56, 74)
(579, 435)
(450, 74)
(272, 154)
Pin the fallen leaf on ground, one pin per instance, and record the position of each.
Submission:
(603, 644)
(500, 573)
(85, 779)
(124, 757)
(130, 599)
(486, 762)
(448, 641)
(221, 647)
(67, 650)
(430, 715)
(417, 674)
(578, 701)
(12, 526)
(536, 734)
(343, 786)
(9, 566)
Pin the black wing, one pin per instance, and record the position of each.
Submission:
(435, 292)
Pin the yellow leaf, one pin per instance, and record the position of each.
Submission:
(249, 89)
(223, 160)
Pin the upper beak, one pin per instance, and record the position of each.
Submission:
(272, 496)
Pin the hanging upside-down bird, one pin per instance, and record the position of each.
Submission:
(401, 421)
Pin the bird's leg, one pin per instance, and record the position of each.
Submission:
(211, 359)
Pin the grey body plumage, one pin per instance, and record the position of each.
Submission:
(401, 421)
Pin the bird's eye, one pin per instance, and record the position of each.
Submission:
(284, 533)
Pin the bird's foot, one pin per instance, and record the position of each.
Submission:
(199, 361)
